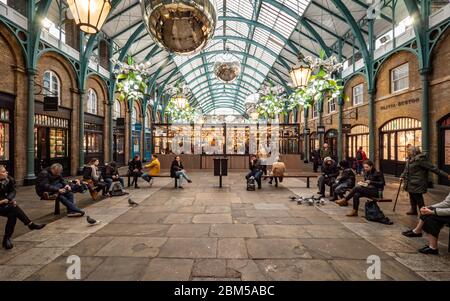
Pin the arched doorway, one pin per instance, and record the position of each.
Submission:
(7, 131)
(395, 136)
(444, 147)
(313, 142)
(331, 138)
(358, 136)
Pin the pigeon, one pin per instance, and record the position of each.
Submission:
(91, 221)
(293, 197)
(131, 202)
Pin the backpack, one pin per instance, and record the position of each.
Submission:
(251, 184)
(117, 189)
(374, 213)
(359, 156)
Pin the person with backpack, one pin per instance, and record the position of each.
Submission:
(255, 170)
(93, 178)
(345, 182)
(432, 220)
(10, 209)
(372, 186)
(360, 158)
(415, 177)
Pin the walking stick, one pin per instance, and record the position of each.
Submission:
(398, 192)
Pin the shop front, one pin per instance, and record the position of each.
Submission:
(356, 138)
(7, 132)
(93, 138)
(331, 138)
(51, 139)
(444, 147)
(313, 142)
(119, 141)
(395, 136)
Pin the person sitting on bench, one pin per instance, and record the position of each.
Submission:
(255, 170)
(345, 182)
(92, 177)
(10, 209)
(278, 169)
(330, 172)
(371, 187)
(112, 175)
(50, 182)
(154, 167)
(177, 171)
(135, 170)
(432, 219)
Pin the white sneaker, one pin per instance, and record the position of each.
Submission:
(150, 182)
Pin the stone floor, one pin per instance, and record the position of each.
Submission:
(208, 233)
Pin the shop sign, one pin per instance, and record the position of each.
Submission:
(399, 104)
(307, 131)
(346, 128)
(320, 129)
(137, 126)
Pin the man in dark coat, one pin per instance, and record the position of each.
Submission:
(10, 209)
(345, 182)
(415, 177)
(135, 170)
(315, 158)
(255, 170)
(51, 182)
(330, 172)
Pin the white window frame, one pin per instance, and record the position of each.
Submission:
(403, 77)
(117, 109)
(331, 105)
(358, 96)
(50, 89)
(315, 110)
(92, 102)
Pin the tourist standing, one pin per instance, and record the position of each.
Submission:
(360, 158)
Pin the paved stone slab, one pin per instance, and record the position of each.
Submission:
(37, 256)
(132, 247)
(17, 272)
(232, 230)
(89, 246)
(120, 269)
(390, 270)
(282, 231)
(180, 201)
(232, 248)
(141, 218)
(328, 231)
(298, 270)
(190, 248)
(269, 206)
(217, 218)
(19, 247)
(435, 276)
(287, 221)
(267, 213)
(247, 269)
(424, 263)
(275, 248)
(210, 268)
(218, 209)
(134, 230)
(191, 209)
(63, 240)
(179, 218)
(189, 230)
(168, 269)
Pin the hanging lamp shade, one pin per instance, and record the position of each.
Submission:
(300, 74)
(182, 27)
(89, 15)
(227, 68)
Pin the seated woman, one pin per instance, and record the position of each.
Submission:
(370, 187)
(92, 177)
(10, 209)
(432, 219)
(345, 182)
(256, 170)
(330, 172)
(278, 169)
(135, 170)
(112, 174)
(177, 171)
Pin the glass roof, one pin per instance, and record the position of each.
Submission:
(264, 35)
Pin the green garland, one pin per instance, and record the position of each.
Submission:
(130, 83)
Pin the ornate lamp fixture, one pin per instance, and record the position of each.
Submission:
(180, 26)
(300, 73)
(89, 15)
(227, 68)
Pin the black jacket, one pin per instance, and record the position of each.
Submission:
(376, 179)
(330, 171)
(176, 166)
(47, 182)
(347, 177)
(111, 171)
(255, 165)
(8, 189)
(135, 164)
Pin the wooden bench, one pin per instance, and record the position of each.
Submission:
(299, 175)
(156, 176)
(380, 200)
(47, 197)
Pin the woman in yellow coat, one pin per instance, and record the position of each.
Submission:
(154, 167)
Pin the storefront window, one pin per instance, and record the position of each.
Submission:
(52, 86)
(358, 94)
(93, 138)
(400, 78)
(397, 135)
(92, 102)
(4, 134)
(358, 137)
(58, 143)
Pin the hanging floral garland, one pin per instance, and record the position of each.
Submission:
(272, 101)
(320, 85)
(178, 108)
(131, 79)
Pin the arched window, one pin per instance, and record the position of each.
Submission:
(134, 116)
(52, 85)
(397, 134)
(92, 102)
(358, 137)
(116, 112)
